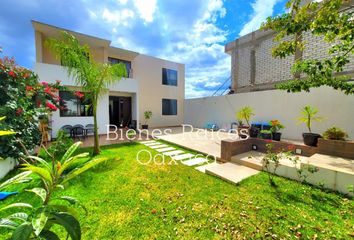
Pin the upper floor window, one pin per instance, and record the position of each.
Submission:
(169, 77)
(128, 64)
(169, 106)
(74, 105)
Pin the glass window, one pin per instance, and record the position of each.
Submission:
(169, 106)
(169, 77)
(74, 106)
(128, 64)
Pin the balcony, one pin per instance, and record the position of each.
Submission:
(50, 73)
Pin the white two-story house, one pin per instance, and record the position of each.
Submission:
(153, 84)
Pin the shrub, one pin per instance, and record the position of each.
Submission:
(22, 100)
(147, 116)
(245, 114)
(308, 116)
(275, 126)
(59, 146)
(335, 133)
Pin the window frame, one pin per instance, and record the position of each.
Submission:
(165, 72)
(171, 101)
(79, 104)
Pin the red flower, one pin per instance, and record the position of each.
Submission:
(29, 88)
(58, 81)
(291, 147)
(51, 106)
(12, 74)
(38, 103)
(19, 111)
(79, 94)
(44, 83)
(25, 75)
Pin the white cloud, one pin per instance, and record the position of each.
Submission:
(178, 33)
(261, 10)
(123, 2)
(146, 9)
(121, 17)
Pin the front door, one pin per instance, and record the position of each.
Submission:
(120, 111)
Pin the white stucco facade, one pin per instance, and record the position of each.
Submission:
(143, 86)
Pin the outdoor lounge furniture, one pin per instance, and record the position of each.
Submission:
(67, 129)
(89, 128)
(78, 131)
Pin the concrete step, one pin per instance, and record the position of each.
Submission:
(195, 161)
(251, 159)
(146, 142)
(173, 153)
(186, 156)
(165, 149)
(159, 146)
(204, 167)
(231, 172)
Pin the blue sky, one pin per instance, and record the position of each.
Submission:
(192, 32)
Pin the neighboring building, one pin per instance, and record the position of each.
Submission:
(253, 67)
(153, 84)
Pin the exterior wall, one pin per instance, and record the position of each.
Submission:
(266, 71)
(333, 105)
(50, 73)
(148, 71)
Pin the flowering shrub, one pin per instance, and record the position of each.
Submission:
(275, 125)
(23, 99)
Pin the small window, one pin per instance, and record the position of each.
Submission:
(169, 107)
(169, 77)
(74, 106)
(128, 64)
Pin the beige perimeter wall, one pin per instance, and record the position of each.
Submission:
(334, 106)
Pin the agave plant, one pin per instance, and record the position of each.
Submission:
(52, 211)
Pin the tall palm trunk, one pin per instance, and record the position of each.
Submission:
(96, 146)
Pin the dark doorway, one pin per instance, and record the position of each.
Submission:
(120, 111)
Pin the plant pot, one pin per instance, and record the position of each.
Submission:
(243, 134)
(276, 136)
(254, 131)
(144, 126)
(266, 136)
(311, 139)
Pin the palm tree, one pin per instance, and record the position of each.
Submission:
(93, 77)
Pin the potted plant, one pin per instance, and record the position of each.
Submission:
(308, 116)
(147, 116)
(275, 126)
(266, 134)
(244, 114)
(335, 133)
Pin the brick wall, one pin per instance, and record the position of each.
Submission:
(266, 70)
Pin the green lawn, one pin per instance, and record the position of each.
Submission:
(126, 200)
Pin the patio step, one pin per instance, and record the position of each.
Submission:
(231, 172)
(183, 156)
(251, 159)
(195, 161)
(149, 141)
(152, 144)
(204, 167)
(173, 153)
(165, 149)
(159, 146)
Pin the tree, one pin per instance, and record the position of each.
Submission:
(93, 77)
(331, 19)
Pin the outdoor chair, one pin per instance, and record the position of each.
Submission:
(89, 128)
(67, 129)
(78, 132)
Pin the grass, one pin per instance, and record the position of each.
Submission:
(126, 200)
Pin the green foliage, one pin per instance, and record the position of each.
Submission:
(147, 116)
(50, 212)
(58, 147)
(271, 160)
(245, 114)
(335, 133)
(308, 116)
(276, 126)
(23, 100)
(324, 19)
(94, 78)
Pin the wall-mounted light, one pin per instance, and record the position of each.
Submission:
(254, 147)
